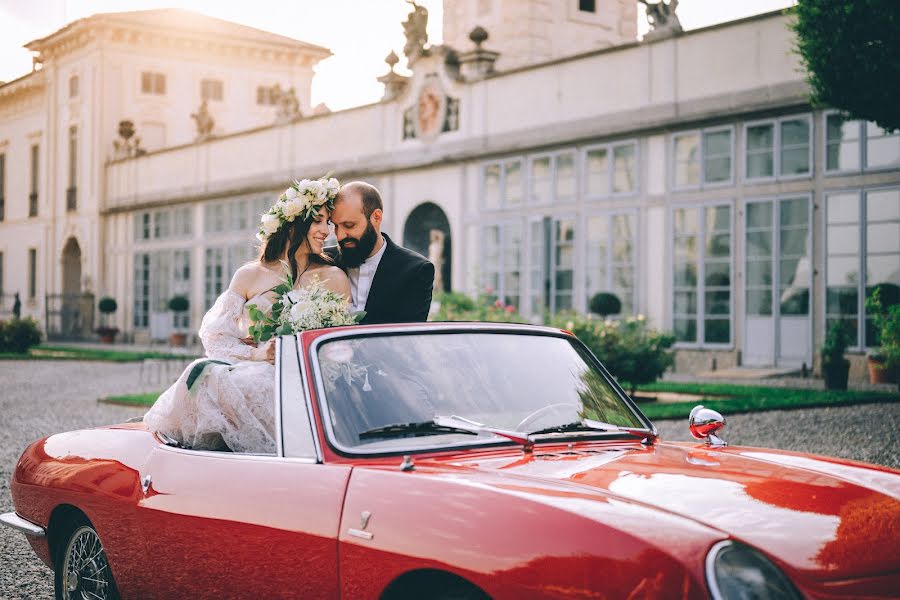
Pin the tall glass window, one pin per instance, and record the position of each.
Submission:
(563, 264)
(882, 147)
(541, 180)
(491, 189)
(778, 148)
(141, 290)
(702, 274)
(610, 169)
(565, 177)
(35, 179)
(32, 273)
(502, 262)
(610, 258)
(856, 220)
(687, 160)
(703, 157)
(843, 148)
(502, 184)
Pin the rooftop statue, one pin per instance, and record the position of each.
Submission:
(205, 122)
(414, 28)
(662, 19)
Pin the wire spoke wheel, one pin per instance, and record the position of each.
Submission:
(85, 570)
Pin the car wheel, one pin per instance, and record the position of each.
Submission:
(82, 569)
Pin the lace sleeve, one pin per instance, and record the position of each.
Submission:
(221, 330)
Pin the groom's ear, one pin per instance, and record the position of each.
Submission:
(376, 217)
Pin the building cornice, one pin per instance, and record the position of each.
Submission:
(22, 88)
(113, 28)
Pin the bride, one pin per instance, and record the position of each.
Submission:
(226, 401)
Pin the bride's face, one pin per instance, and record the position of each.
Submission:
(318, 231)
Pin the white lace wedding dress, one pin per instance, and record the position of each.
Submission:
(227, 406)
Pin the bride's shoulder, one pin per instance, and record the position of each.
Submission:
(330, 272)
(246, 276)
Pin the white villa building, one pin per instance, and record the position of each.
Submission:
(560, 157)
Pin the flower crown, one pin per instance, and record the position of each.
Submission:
(303, 199)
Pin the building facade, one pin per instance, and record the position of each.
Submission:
(688, 175)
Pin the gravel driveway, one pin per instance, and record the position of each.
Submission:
(39, 398)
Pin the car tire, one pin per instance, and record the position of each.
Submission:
(82, 568)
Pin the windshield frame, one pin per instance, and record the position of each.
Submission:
(462, 327)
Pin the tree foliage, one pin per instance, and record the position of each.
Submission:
(851, 50)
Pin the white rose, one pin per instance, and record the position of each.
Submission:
(290, 193)
(292, 209)
(333, 185)
(303, 186)
(293, 296)
(260, 236)
(318, 190)
(270, 223)
(301, 310)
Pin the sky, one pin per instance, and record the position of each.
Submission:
(360, 33)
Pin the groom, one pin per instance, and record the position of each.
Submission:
(389, 282)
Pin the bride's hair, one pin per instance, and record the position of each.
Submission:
(291, 236)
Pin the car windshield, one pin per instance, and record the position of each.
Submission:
(383, 392)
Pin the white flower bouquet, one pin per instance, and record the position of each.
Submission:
(313, 306)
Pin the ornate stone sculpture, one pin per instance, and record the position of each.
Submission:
(414, 28)
(662, 19)
(287, 103)
(128, 145)
(205, 122)
(436, 256)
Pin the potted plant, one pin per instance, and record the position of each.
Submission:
(178, 304)
(107, 333)
(835, 368)
(884, 361)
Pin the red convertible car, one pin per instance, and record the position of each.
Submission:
(454, 461)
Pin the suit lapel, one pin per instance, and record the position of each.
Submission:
(382, 274)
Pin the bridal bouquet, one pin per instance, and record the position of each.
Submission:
(313, 306)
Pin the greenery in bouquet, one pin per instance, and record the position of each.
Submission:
(313, 306)
(455, 306)
(629, 348)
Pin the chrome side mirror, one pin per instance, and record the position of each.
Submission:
(704, 423)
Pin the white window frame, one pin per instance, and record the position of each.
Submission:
(608, 215)
(154, 72)
(553, 191)
(702, 184)
(862, 138)
(701, 273)
(863, 222)
(610, 148)
(776, 146)
(502, 162)
(501, 292)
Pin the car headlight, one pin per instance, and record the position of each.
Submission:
(737, 572)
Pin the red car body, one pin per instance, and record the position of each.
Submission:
(582, 519)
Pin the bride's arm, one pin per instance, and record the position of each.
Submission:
(221, 332)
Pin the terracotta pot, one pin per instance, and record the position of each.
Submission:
(179, 340)
(879, 372)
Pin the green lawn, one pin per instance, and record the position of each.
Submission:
(66, 353)
(743, 399)
(739, 399)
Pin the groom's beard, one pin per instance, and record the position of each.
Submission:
(355, 255)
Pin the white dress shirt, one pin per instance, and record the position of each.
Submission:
(361, 278)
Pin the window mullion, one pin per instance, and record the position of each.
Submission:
(861, 256)
(701, 274)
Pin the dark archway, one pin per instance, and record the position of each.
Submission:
(70, 313)
(419, 234)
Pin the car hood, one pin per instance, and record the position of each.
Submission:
(826, 518)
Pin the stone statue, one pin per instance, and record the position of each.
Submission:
(288, 105)
(17, 306)
(436, 256)
(662, 18)
(205, 122)
(128, 144)
(414, 28)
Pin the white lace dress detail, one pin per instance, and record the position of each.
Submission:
(228, 406)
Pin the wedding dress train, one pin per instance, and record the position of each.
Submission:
(226, 400)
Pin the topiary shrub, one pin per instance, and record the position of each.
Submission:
(631, 350)
(179, 304)
(835, 368)
(107, 305)
(18, 335)
(605, 304)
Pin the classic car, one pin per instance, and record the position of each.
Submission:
(454, 461)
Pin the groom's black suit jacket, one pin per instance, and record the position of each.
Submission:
(402, 286)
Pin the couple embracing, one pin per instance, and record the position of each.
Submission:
(226, 401)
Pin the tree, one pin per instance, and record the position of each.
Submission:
(851, 51)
